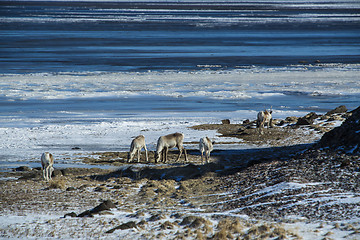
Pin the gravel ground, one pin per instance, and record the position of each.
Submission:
(244, 194)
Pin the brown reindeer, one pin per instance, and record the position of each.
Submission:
(137, 144)
(47, 162)
(205, 145)
(167, 142)
(264, 117)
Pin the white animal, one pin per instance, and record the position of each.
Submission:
(47, 162)
(169, 141)
(137, 144)
(205, 145)
(264, 117)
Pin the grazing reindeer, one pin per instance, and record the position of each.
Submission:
(137, 144)
(264, 117)
(47, 162)
(205, 145)
(169, 141)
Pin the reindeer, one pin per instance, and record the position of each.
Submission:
(169, 141)
(205, 145)
(47, 162)
(264, 117)
(137, 144)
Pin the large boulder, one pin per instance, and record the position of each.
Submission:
(106, 205)
(339, 109)
(346, 137)
(308, 119)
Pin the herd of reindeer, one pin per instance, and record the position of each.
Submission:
(164, 143)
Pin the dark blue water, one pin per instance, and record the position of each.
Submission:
(51, 36)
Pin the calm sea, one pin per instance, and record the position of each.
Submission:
(66, 36)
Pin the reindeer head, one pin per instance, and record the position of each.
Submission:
(157, 157)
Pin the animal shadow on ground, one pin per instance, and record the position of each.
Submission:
(224, 162)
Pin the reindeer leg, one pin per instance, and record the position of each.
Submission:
(185, 154)
(202, 157)
(47, 173)
(262, 128)
(131, 156)
(180, 152)
(146, 155)
(162, 157)
(51, 172)
(138, 160)
(165, 154)
(44, 173)
(156, 157)
(183, 149)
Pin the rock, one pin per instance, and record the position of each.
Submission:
(70, 189)
(167, 225)
(291, 119)
(304, 121)
(156, 217)
(193, 221)
(86, 213)
(324, 117)
(347, 136)
(65, 171)
(281, 123)
(246, 122)
(110, 204)
(345, 163)
(100, 189)
(198, 222)
(106, 205)
(225, 121)
(241, 129)
(123, 226)
(335, 118)
(311, 116)
(23, 169)
(340, 109)
(277, 122)
(57, 173)
(188, 220)
(346, 115)
(72, 214)
(308, 119)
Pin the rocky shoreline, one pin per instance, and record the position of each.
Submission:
(246, 194)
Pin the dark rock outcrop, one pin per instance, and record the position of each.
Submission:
(23, 169)
(123, 226)
(225, 121)
(307, 119)
(346, 137)
(106, 205)
(339, 109)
